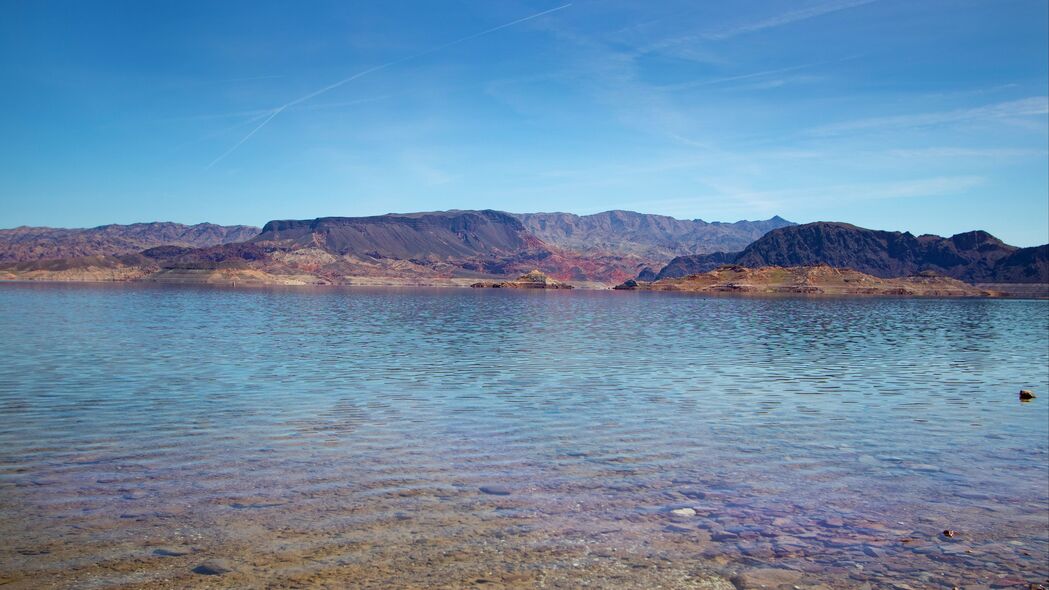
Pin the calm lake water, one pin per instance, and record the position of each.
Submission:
(342, 437)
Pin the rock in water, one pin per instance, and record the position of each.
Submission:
(765, 578)
(532, 280)
(171, 551)
(213, 567)
(1027, 395)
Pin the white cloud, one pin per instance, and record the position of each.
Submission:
(730, 197)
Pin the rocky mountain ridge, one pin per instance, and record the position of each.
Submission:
(448, 245)
(465, 247)
(22, 244)
(652, 237)
(973, 257)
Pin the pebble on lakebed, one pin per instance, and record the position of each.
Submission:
(1027, 395)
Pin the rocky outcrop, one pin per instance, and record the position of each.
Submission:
(807, 280)
(24, 244)
(532, 280)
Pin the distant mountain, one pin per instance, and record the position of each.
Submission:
(437, 236)
(44, 243)
(974, 257)
(689, 265)
(605, 247)
(446, 244)
(649, 237)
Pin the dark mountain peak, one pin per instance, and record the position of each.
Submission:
(974, 256)
(828, 226)
(977, 240)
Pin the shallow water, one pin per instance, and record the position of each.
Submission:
(341, 437)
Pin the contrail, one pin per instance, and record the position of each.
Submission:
(377, 68)
(246, 137)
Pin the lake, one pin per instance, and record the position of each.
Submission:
(410, 438)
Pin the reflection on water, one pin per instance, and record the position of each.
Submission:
(341, 437)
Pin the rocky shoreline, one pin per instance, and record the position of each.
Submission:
(725, 280)
(809, 280)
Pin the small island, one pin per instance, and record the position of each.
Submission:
(532, 280)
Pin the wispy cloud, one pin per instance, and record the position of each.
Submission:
(732, 198)
(278, 110)
(251, 78)
(786, 18)
(1025, 107)
(959, 152)
(759, 74)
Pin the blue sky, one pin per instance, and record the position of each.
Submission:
(929, 116)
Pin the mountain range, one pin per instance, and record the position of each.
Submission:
(431, 245)
(23, 244)
(461, 247)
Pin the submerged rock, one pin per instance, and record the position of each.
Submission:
(213, 567)
(171, 551)
(765, 578)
